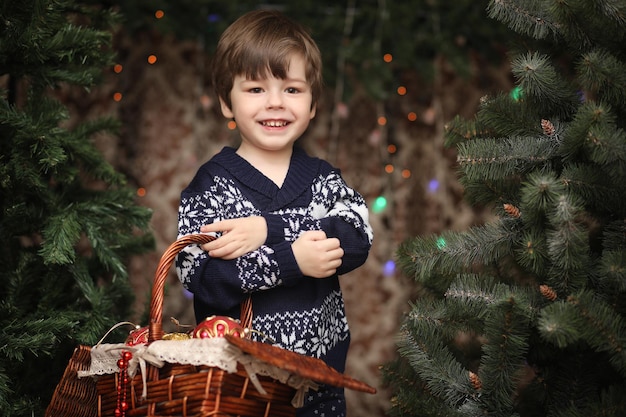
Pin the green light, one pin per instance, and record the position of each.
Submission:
(441, 243)
(379, 204)
(516, 93)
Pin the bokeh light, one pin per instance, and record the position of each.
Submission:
(516, 93)
(379, 204)
(433, 185)
(389, 268)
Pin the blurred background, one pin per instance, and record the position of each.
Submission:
(395, 72)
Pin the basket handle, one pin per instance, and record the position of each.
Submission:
(155, 329)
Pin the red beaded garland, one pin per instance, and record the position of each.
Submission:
(122, 363)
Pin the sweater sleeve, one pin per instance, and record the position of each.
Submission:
(345, 217)
(340, 212)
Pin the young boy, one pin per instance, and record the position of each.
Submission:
(287, 223)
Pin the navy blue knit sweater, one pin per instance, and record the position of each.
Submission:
(299, 313)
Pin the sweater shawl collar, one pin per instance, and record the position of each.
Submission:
(302, 172)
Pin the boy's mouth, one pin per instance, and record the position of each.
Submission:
(274, 123)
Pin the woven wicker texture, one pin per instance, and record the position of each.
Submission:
(74, 396)
(301, 365)
(178, 390)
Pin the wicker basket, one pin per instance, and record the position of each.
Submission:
(178, 389)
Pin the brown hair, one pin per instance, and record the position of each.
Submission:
(261, 43)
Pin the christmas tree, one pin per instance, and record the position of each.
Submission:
(68, 218)
(524, 315)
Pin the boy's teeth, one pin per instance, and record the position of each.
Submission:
(274, 123)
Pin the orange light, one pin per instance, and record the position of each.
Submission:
(406, 173)
(232, 125)
(117, 68)
(401, 90)
(382, 120)
(387, 58)
(159, 14)
(152, 59)
(412, 116)
(388, 168)
(141, 192)
(117, 96)
(392, 148)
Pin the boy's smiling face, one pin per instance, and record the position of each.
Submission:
(271, 113)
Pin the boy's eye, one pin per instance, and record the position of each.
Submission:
(292, 90)
(256, 90)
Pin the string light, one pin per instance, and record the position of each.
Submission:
(406, 173)
(391, 148)
(159, 14)
(232, 125)
(401, 90)
(516, 93)
(441, 243)
(382, 120)
(433, 185)
(412, 116)
(117, 68)
(141, 192)
(117, 96)
(152, 59)
(389, 168)
(379, 204)
(389, 268)
(387, 58)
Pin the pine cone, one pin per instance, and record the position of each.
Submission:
(547, 292)
(512, 211)
(548, 127)
(475, 380)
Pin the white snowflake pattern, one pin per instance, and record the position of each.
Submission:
(313, 332)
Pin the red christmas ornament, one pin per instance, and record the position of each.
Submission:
(218, 326)
(139, 336)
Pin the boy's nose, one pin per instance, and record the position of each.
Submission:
(274, 99)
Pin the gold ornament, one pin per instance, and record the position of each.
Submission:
(176, 336)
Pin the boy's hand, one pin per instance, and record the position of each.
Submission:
(317, 255)
(239, 236)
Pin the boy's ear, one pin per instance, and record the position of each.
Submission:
(226, 111)
(313, 111)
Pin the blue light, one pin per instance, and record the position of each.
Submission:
(433, 185)
(390, 268)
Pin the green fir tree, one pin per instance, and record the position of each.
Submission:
(525, 314)
(68, 219)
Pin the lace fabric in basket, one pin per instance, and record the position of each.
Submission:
(214, 352)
